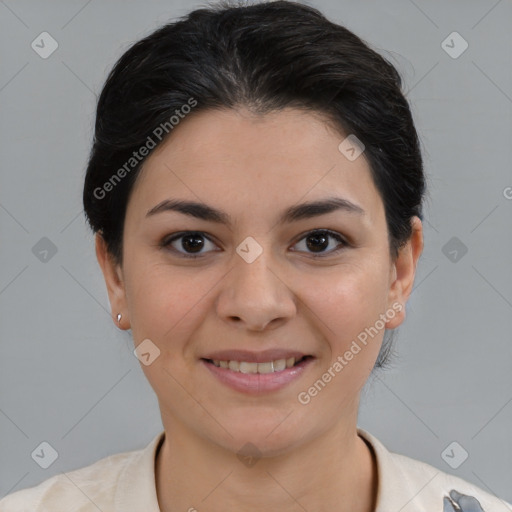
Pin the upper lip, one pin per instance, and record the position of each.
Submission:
(254, 357)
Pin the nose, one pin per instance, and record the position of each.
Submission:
(255, 295)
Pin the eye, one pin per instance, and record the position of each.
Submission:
(192, 241)
(195, 241)
(318, 240)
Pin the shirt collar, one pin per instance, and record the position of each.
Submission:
(136, 488)
(394, 489)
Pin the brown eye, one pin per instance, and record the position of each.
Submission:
(192, 243)
(318, 241)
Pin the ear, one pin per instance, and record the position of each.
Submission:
(113, 276)
(403, 272)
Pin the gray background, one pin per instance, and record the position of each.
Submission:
(68, 375)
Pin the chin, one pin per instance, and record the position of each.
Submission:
(270, 435)
(251, 443)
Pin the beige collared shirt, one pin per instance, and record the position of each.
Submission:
(125, 482)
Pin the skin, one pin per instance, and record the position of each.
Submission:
(253, 167)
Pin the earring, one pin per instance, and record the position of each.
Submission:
(119, 318)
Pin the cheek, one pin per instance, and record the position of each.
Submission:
(347, 297)
(346, 307)
(347, 311)
(166, 307)
(162, 300)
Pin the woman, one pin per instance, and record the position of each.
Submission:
(255, 187)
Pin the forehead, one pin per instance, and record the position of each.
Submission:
(234, 159)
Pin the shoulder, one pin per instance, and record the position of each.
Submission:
(82, 490)
(437, 486)
(410, 485)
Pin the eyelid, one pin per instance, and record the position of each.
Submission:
(167, 240)
(334, 234)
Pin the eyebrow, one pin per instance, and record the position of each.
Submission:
(292, 214)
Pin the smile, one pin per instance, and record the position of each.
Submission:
(256, 378)
(277, 365)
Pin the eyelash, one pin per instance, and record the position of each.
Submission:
(166, 242)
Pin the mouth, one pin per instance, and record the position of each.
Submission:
(257, 373)
(263, 367)
(260, 376)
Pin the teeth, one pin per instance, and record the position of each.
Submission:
(280, 364)
(266, 367)
(244, 367)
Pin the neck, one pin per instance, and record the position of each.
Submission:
(336, 471)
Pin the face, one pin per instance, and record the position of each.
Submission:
(261, 286)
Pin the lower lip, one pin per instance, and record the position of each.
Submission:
(258, 383)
